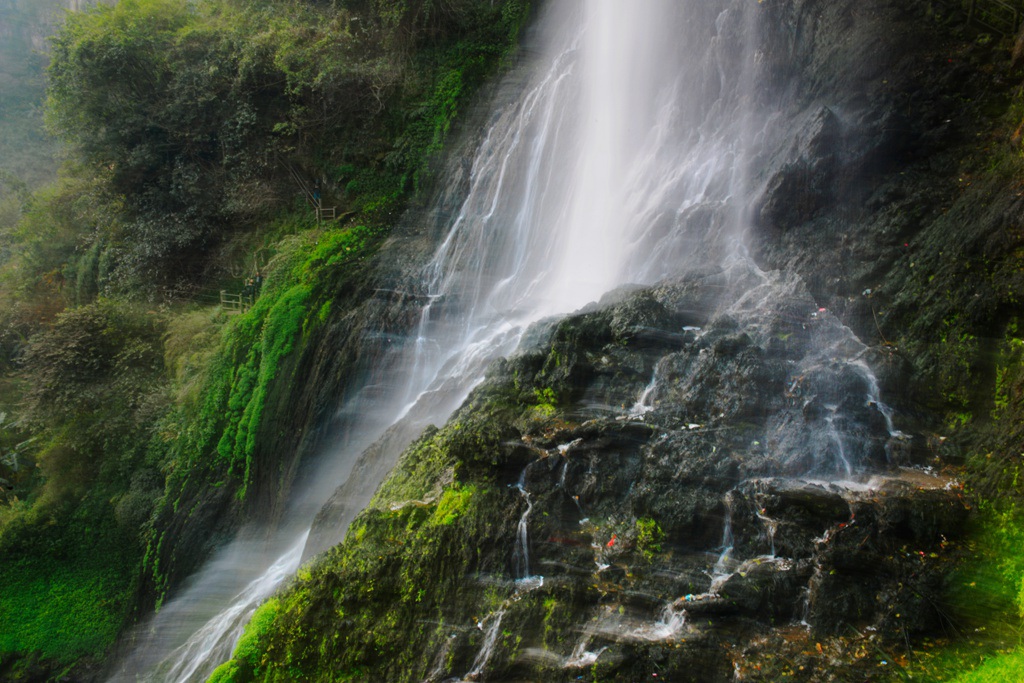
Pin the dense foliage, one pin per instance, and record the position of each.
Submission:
(70, 548)
(208, 117)
(131, 402)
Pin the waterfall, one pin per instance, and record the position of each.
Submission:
(724, 564)
(645, 402)
(521, 554)
(218, 635)
(626, 159)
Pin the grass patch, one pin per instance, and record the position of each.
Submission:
(984, 605)
(67, 581)
(1001, 669)
(62, 612)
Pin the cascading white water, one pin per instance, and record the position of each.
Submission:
(645, 402)
(625, 160)
(522, 547)
(222, 631)
(724, 565)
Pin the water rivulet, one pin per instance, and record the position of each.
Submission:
(699, 468)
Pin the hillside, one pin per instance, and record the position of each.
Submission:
(132, 400)
(796, 457)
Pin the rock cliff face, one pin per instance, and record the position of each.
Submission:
(730, 475)
(557, 525)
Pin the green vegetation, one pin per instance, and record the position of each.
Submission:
(208, 117)
(211, 432)
(983, 605)
(247, 656)
(1009, 667)
(69, 536)
(974, 357)
(131, 405)
(453, 504)
(648, 537)
(402, 567)
(66, 590)
(133, 408)
(547, 401)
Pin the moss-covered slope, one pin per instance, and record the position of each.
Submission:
(141, 422)
(903, 220)
(548, 532)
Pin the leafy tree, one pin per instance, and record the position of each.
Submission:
(203, 115)
(169, 106)
(98, 357)
(51, 255)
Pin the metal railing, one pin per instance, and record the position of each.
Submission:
(235, 303)
(326, 213)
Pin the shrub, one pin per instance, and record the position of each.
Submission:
(100, 357)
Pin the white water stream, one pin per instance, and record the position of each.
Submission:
(222, 631)
(521, 554)
(624, 160)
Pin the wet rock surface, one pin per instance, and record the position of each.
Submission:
(745, 553)
(627, 515)
(702, 479)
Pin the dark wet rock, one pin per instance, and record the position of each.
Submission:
(785, 517)
(655, 536)
(920, 515)
(768, 590)
(759, 487)
(892, 546)
(795, 194)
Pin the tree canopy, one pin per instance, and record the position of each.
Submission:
(200, 113)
